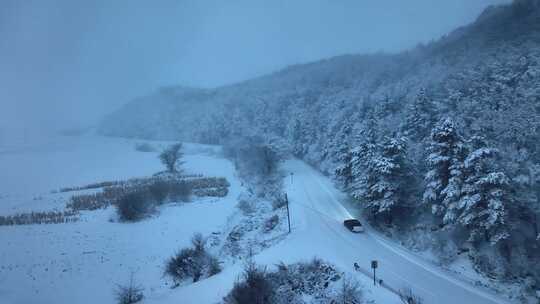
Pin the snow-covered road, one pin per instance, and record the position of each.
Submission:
(316, 208)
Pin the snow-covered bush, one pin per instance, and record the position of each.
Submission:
(129, 294)
(311, 278)
(488, 263)
(349, 292)
(246, 206)
(279, 202)
(134, 206)
(446, 251)
(192, 263)
(300, 283)
(159, 189)
(254, 288)
(254, 227)
(271, 223)
(179, 191)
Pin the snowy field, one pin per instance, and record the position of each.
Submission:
(81, 262)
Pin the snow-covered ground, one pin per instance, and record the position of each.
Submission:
(81, 262)
(317, 214)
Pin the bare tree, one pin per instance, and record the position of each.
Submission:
(171, 157)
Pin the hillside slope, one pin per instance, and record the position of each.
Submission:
(438, 143)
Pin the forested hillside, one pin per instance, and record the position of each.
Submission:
(440, 141)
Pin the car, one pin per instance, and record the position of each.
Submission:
(353, 225)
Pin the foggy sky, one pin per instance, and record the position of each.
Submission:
(66, 63)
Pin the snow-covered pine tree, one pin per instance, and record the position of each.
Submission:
(483, 208)
(383, 185)
(293, 133)
(445, 175)
(344, 156)
(361, 154)
(420, 117)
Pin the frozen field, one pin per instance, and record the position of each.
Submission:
(81, 262)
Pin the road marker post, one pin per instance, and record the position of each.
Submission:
(288, 214)
(374, 265)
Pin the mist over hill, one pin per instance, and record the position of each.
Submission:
(441, 141)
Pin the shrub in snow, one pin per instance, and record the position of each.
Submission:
(254, 288)
(279, 202)
(173, 190)
(192, 263)
(159, 190)
(179, 191)
(307, 277)
(349, 292)
(271, 223)
(488, 263)
(185, 264)
(129, 294)
(246, 207)
(300, 283)
(213, 266)
(171, 157)
(198, 242)
(446, 250)
(134, 206)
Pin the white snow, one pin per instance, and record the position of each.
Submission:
(81, 262)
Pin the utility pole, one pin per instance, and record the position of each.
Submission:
(288, 215)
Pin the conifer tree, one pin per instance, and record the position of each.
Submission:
(344, 156)
(483, 207)
(445, 175)
(420, 117)
(385, 176)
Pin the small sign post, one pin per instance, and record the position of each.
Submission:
(374, 265)
(291, 177)
(288, 214)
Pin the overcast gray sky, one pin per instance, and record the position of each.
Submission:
(67, 63)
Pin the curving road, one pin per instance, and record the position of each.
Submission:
(317, 212)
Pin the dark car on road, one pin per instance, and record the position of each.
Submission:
(353, 225)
